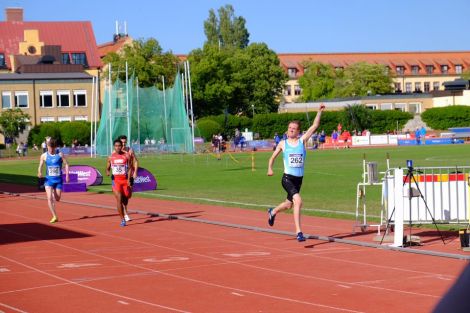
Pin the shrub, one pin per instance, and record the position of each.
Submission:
(206, 128)
(447, 117)
(79, 130)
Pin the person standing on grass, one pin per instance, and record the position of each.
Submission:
(134, 166)
(294, 153)
(118, 165)
(53, 182)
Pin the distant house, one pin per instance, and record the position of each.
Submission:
(47, 68)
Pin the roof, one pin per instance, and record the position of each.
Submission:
(29, 76)
(113, 46)
(391, 59)
(71, 36)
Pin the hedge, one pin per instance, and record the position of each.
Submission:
(447, 117)
(63, 132)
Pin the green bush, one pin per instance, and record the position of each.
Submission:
(39, 133)
(206, 128)
(447, 117)
(383, 121)
(79, 130)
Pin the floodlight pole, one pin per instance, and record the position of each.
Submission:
(91, 114)
(164, 108)
(97, 107)
(191, 104)
(109, 112)
(138, 111)
(127, 105)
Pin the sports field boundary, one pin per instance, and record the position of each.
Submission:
(260, 229)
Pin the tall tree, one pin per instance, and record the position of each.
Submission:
(226, 30)
(361, 79)
(318, 81)
(13, 122)
(147, 60)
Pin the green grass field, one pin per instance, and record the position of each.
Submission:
(329, 184)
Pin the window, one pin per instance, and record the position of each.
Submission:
(64, 119)
(79, 98)
(458, 69)
(2, 60)
(418, 87)
(444, 69)
(429, 69)
(288, 90)
(427, 86)
(399, 107)
(79, 58)
(45, 99)
(81, 118)
(415, 69)
(397, 87)
(6, 100)
(21, 99)
(408, 87)
(65, 58)
(435, 86)
(400, 70)
(63, 98)
(45, 119)
(292, 72)
(386, 106)
(297, 90)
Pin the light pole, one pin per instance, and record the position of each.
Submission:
(253, 107)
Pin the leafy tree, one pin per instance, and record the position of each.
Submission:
(466, 75)
(147, 60)
(226, 30)
(13, 122)
(356, 117)
(361, 79)
(318, 81)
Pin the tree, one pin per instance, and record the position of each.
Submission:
(466, 75)
(361, 79)
(13, 122)
(356, 117)
(226, 30)
(147, 60)
(236, 80)
(318, 81)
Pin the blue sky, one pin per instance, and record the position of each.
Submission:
(306, 26)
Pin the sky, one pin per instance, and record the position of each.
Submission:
(301, 26)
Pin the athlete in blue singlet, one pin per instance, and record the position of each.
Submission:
(53, 179)
(294, 153)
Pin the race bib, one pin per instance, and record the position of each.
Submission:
(118, 169)
(296, 160)
(53, 171)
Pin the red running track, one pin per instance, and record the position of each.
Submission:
(87, 263)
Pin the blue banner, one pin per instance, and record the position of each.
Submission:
(430, 141)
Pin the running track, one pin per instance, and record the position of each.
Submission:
(87, 263)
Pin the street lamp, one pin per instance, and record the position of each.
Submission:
(253, 107)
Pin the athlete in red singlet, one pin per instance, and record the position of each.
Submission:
(134, 165)
(118, 166)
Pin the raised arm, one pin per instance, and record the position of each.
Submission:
(314, 126)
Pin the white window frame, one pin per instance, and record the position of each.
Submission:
(458, 69)
(81, 118)
(17, 100)
(47, 119)
(7, 94)
(408, 87)
(64, 119)
(434, 84)
(43, 93)
(77, 93)
(59, 101)
(400, 107)
(418, 86)
(386, 106)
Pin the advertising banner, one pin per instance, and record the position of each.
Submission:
(87, 174)
(145, 181)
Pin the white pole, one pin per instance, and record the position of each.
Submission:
(191, 104)
(117, 28)
(91, 114)
(138, 111)
(164, 108)
(127, 106)
(125, 28)
(97, 108)
(110, 143)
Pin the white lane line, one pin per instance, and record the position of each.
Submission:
(123, 302)
(12, 308)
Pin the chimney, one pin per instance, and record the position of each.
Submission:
(14, 14)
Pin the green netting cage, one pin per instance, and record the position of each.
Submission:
(153, 120)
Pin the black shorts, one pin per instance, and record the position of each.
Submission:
(291, 185)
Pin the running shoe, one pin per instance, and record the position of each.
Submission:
(301, 237)
(271, 216)
(127, 218)
(123, 222)
(54, 220)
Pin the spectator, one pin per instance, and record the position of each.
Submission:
(25, 149)
(423, 134)
(44, 146)
(322, 139)
(418, 136)
(346, 138)
(334, 139)
(236, 140)
(277, 140)
(315, 140)
(19, 149)
(35, 147)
